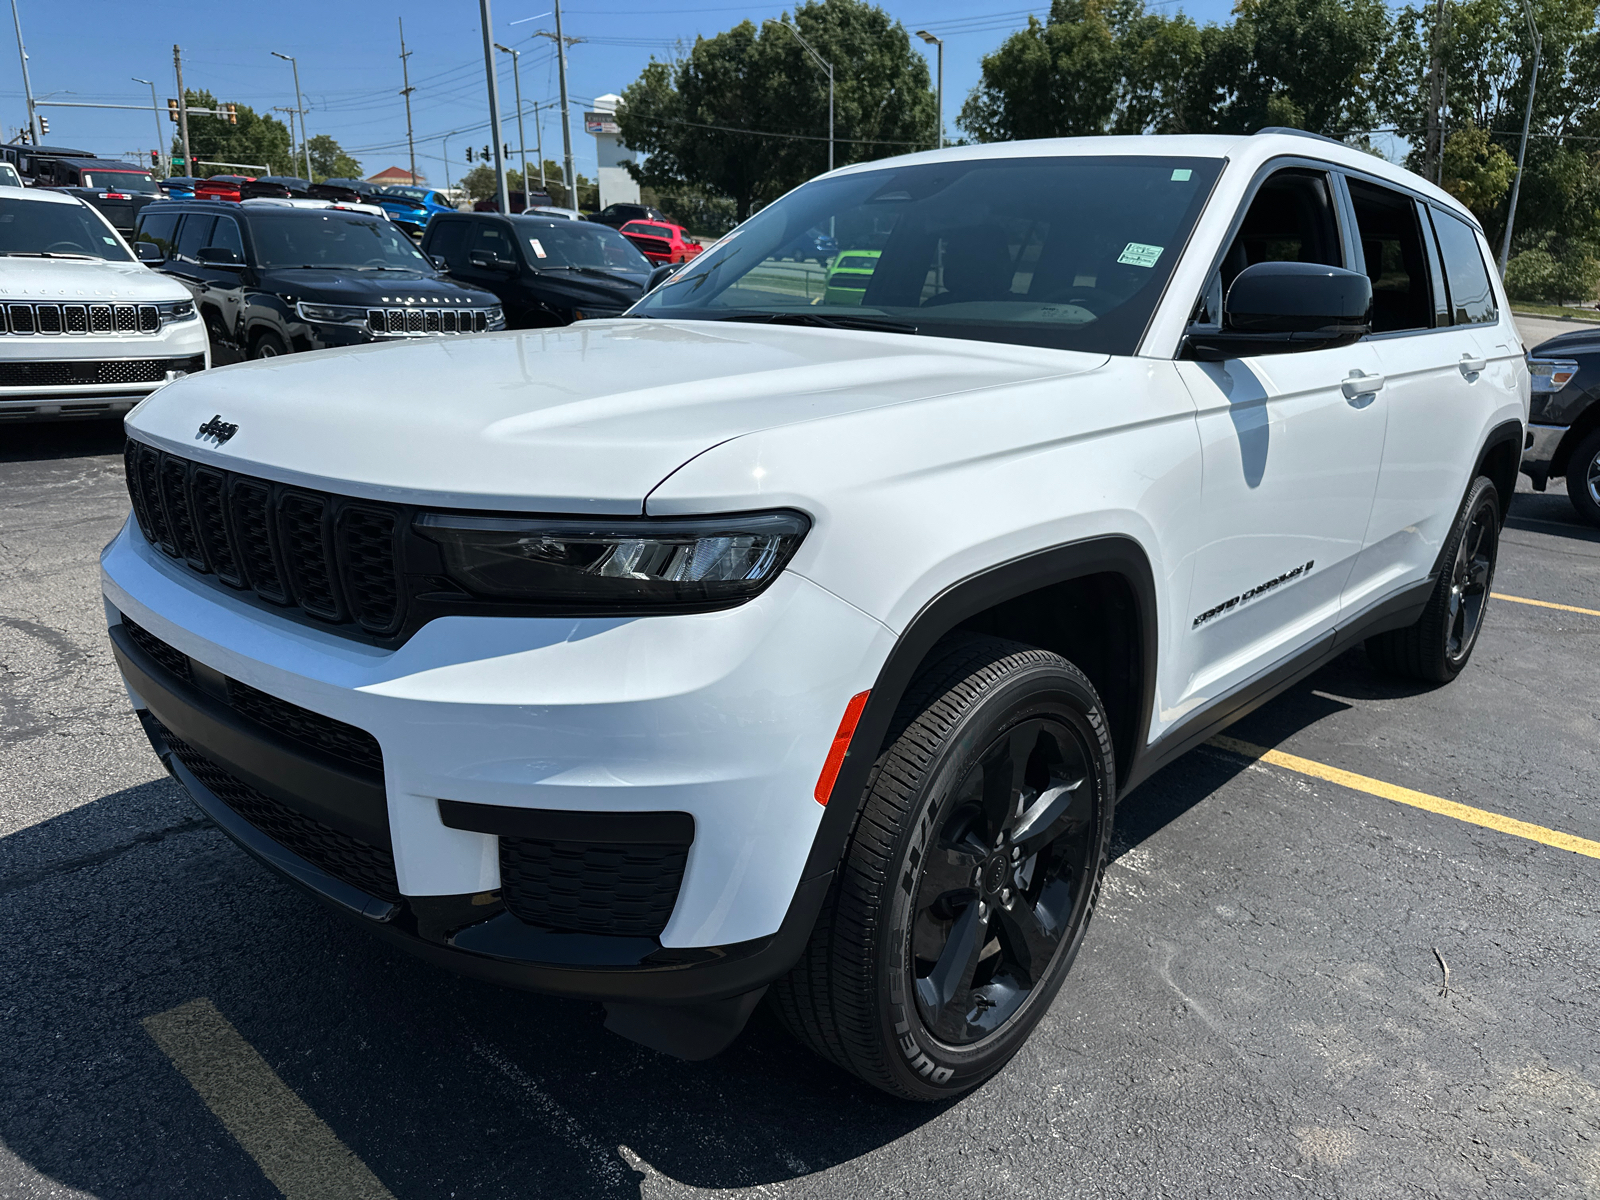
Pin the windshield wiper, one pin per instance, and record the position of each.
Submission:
(48, 254)
(603, 272)
(869, 324)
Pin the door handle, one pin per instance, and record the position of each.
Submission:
(1472, 366)
(1358, 384)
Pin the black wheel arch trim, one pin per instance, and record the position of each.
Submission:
(1506, 433)
(1114, 554)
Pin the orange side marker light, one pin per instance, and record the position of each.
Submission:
(841, 743)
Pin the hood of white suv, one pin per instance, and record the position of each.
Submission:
(586, 418)
(85, 280)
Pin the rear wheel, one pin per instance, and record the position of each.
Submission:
(1438, 645)
(1583, 478)
(970, 877)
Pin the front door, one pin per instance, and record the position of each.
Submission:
(1291, 445)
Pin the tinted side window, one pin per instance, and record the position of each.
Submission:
(1290, 220)
(448, 240)
(494, 240)
(157, 229)
(226, 236)
(1471, 297)
(193, 234)
(1391, 245)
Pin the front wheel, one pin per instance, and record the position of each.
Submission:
(268, 345)
(1583, 478)
(970, 877)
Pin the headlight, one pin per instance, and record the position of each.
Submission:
(617, 565)
(331, 314)
(174, 311)
(497, 317)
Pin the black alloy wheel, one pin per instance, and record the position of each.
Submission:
(1437, 646)
(1003, 880)
(968, 882)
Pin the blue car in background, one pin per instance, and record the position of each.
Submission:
(431, 201)
(178, 187)
(409, 212)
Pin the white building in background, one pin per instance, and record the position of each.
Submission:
(616, 185)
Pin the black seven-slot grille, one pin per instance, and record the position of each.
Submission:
(427, 320)
(624, 889)
(334, 558)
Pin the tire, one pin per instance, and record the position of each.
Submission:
(1583, 477)
(1437, 647)
(961, 903)
(268, 345)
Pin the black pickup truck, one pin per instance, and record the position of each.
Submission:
(1564, 421)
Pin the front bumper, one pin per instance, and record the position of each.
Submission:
(49, 376)
(1542, 442)
(723, 716)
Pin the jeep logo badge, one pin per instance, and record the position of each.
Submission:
(217, 428)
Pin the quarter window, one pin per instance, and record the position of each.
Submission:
(1391, 247)
(1471, 297)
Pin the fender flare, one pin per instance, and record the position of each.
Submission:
(1116, 555)
(1507, 432)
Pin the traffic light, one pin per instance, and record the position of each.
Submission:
(155, 160)
(172, 110)
(233, 114)
(469, 153)
(505, 149)
(44, 124)
(486, 154)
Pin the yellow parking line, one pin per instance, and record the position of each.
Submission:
(1400, 795)
(294, 1148)
(1588, 612)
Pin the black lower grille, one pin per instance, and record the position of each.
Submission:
(360, 864)
(170, 657)
(71, 372)
(624, 890)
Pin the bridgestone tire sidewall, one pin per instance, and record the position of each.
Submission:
(923, 1065)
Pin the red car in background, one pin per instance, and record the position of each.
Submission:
(661, 243)
(239, 187)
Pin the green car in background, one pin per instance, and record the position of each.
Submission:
(849, 275)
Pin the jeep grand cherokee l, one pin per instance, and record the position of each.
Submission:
(752, 645)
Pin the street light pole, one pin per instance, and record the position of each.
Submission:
(300, 105)
(27, 87)
(447, 138)
(494, 106)
(406, 90)
(826, 66)
(939, 42)
(166, 168)
(522, 138)
(566, 114)
(1522, 150)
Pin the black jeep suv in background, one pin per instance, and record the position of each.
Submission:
(270, 279)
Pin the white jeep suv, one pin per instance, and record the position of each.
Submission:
(797, 637)
(85, 329)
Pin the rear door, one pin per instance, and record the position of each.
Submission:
(1291, 445)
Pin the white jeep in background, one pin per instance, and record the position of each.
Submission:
(85, 329)
(787, 640)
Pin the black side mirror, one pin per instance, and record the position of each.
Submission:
(149, 253)
(220, 256)
(1279, 307)
(661, 274)
(486, 261)
(438, 261)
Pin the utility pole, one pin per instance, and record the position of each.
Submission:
(566, 116)
(27, 87)
(522, 138)
(405, 75)
(939, 42)
(494, 106)
(826, 66)
(183, 112)
(1433, 149)
(538, 141)
(447, 138)
(1522, 150)
(301, 105)
(166, 163)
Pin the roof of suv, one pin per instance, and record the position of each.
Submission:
(42, 195)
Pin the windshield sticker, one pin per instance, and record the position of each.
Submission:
(1139, 255)
(108, 241)
(1181, 174)
(537, 248)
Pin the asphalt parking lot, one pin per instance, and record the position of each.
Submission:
(1261, 1009)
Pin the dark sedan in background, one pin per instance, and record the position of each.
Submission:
(545, 270)
(269, 280)
(1564, 419)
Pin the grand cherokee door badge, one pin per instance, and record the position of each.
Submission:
(1226, 605)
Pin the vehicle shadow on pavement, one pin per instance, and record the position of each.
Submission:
(1551, 513)
(33, 442)
(440, 1085)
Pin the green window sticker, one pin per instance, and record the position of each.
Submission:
(1181, 175)
(1139, 255)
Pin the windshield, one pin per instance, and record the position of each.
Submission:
(312, 238)
(9, 176)
(34, 227)
(1066, 252)
(581, 245)
(123, 181)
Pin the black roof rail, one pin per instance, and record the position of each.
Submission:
(1293, 132)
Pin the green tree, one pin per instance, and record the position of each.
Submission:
(329, 161)
(744, 114)
(254, 140)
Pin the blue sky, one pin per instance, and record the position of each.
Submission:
(89, 50)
